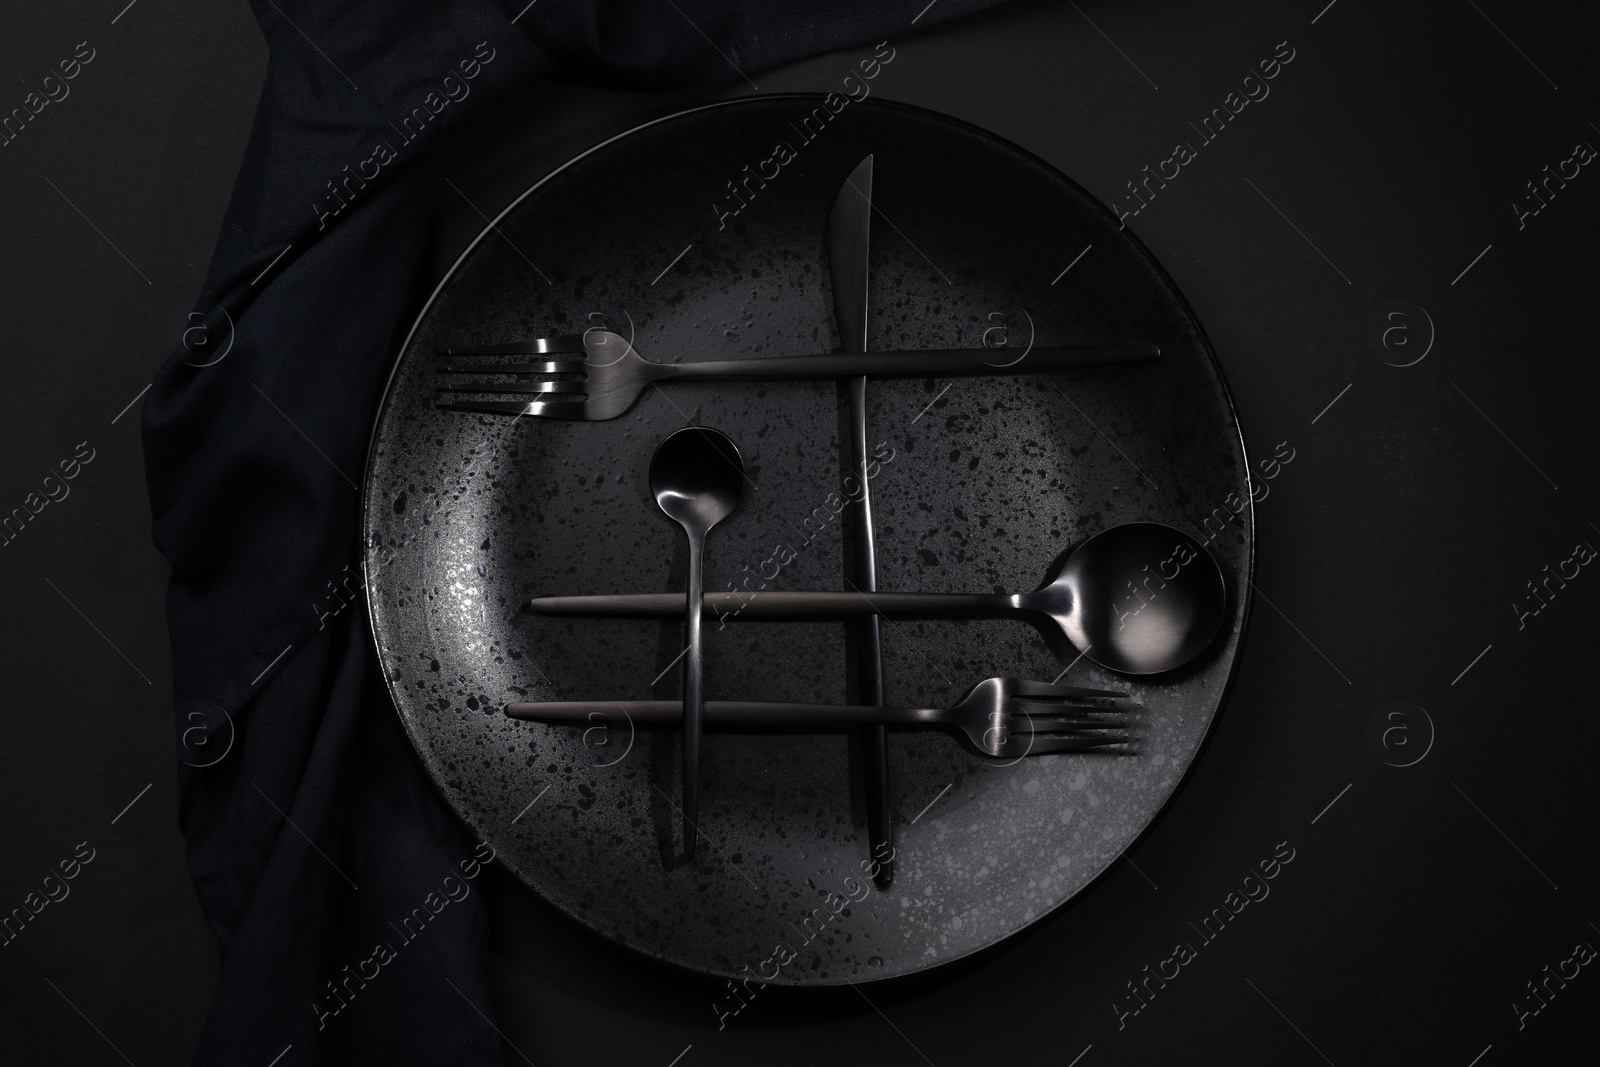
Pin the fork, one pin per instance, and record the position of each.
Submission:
(1002, 717)
(598, 375)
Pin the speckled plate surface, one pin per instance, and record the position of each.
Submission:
(987, 481)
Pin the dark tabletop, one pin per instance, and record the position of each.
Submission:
(1366, 205)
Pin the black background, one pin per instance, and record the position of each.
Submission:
(1390, 550)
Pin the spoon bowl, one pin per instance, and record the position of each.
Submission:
(697, 477)
(1140, 598)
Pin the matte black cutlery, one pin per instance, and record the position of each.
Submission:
(1005, 718)
(1139, 598)
(598, 375)
(697, 477)
(849, 240)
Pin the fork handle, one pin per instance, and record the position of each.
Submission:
(721, 713)
(784, 604)
(936, 363)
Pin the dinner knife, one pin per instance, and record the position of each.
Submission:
(849, 239)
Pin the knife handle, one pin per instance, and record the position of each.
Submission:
(869, 645)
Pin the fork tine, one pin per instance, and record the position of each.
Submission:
(550, 366)
(1085, 712)
(571, 343)
(1044, 746)
(1042, 727)
(560, 409)
(1022, 687)
(570, 388)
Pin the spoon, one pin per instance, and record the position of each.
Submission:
(1140, 598)
(697, 477)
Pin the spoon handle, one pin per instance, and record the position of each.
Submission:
(770, 604)
(723, 714)
(693, 694)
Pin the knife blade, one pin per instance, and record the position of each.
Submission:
(849, 240)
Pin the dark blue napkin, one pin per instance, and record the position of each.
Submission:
(345, 899)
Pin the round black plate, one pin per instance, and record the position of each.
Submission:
(983, 483)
